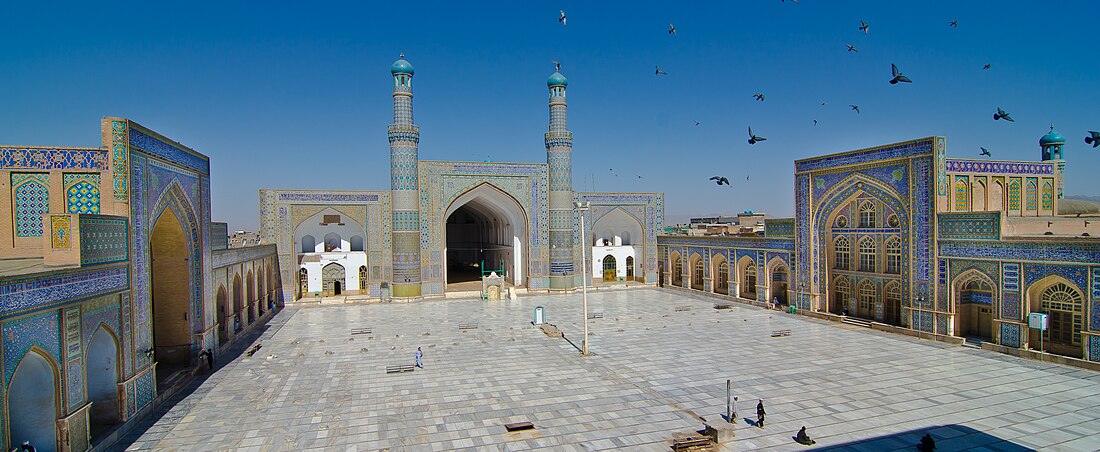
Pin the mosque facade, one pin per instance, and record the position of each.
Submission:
(902, 238)
(113, 282)
(444, 223)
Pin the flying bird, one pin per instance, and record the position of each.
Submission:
(815, 122)
(759, 96)
(658, 71)
(851, 48)
(672, 30)
(854, 107)
(866, 29)
(898, 76)
(562, 17)
(985, 67)
(721, 180)
(954, 23)
(753, 139)
(696, 122)
(1001, 114)
(639, 176)
(985, 152)
(1093, 139)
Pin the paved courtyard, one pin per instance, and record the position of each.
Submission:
(654, 369)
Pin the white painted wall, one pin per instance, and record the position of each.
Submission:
(620, 253)
(351, 262)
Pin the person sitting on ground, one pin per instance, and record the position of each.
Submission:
(927, 444)
(803, 438)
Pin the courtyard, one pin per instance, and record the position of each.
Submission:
(660, 360)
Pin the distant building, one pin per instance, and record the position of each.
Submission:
(241, 239)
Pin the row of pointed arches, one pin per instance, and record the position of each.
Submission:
(745, 280)
(245, 300)
(978, 195)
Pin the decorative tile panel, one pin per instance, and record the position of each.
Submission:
(74, 353)
(61, 231)
(31, 200)
(969, 226)
(120, 156)
(44, 289)
(167, 151)
(39, 330)
(985, 166)
(1010, 335)
(52, 158)
(104, 239)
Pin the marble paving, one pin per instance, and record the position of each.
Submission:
(653, 372)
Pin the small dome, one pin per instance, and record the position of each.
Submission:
(401, 67)
(1052, 138)
(556, 79)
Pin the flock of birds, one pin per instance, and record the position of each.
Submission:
(896, 77)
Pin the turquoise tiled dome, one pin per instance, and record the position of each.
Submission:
(556, 79)
(1052, 138)
(401, 67)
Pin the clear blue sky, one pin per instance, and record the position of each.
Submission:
(297, 95)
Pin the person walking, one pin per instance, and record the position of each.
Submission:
(760, 414)
(419, 355)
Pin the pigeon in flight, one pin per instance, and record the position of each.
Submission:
(866, 29)
(672, 30)
(639, 176)
(954, 23)
(898, 76)
(758, 96)
(1093, 139)
(697, 123)
(721, 180)
(854, 107)
(851, 48)
(985, 152)
(1001, 114)
(658, 71)
(753, 139)
(815, 122)
(985, 67)
(562, 17)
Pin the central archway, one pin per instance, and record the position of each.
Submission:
(171, 297)
(484, 226)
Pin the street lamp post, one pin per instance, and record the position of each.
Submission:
(582, 207)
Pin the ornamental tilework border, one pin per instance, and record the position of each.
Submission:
(126, 314)
(1010, 335)
(1094, 312)
(120, 153)
(982, 166)
(167, 151)
(52, 158)
(145, 387)
(40, 330)
(892, 151)
(102, 310)
(139, 259)
(74, 353)
(1010, 305)
(1011, 274)
(50, 288)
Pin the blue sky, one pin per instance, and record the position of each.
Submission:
(297, 95)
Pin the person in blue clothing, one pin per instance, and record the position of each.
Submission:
(419, 355)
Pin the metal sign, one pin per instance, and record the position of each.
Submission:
(1038, 321)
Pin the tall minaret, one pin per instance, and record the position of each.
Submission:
(1051, 144)
(559, 159)
(404, 188)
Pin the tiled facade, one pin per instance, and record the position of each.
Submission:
(963, 262)
(93, 271)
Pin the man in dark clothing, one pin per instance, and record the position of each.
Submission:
(209, 359)
(760, 414)
(927, 444)
(803, 438)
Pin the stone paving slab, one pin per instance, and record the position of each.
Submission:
(653, 373)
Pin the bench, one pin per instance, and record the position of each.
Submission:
(595, 315)
(399, 369)
(361, 331)
(723, 306)
(254, 349)
(467, 326)
(517, 426)
(690, 442)
(779, 333)
(682, 308)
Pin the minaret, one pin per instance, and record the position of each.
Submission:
(1052, 143)
(559, 160)
(404, 140)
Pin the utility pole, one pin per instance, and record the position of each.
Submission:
(582, 207)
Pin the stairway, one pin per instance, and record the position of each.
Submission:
(856, 321)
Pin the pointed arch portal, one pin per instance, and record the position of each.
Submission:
(484, 226)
